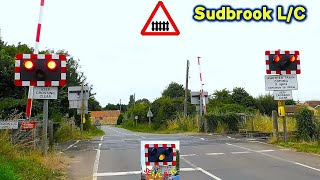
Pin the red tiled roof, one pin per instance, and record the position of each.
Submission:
(312, 103)
(96, 114)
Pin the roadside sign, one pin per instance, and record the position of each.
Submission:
(136, 117)
(45, 92)
(74, 93)
(8, 124)
(28, 125)
(282, 95)
(281, 82)
(149, 114)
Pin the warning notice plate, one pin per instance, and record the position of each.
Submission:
(160, 23)
(45, 93)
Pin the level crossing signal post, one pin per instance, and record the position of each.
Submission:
(286, 65)
(41, 70)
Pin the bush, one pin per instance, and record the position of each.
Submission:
(230, 121)
(66, 132)
(307, 129)
(120, 119)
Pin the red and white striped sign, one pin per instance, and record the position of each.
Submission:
(39, 57)
(174, 154)
(267, 53)
(202, 91)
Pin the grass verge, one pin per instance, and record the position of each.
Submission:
(302, 146)
(19, 163)
(66, 132)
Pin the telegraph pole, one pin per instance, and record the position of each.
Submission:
(186, 92)
(120, 106)
(82, 109)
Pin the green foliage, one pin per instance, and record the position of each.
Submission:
(18, 163)
(67, 132)
(120, 119)
(242, 97)
(265, 104)
(165, 108)
(221, 97)
(307, 129)
(229, 120)
(174, 90)
(140, 110)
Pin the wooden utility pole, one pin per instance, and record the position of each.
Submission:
(186, 91)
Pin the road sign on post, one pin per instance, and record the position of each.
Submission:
(286, 64)
(45, 92)
(149, 115)
(282, 95)
(281, 82)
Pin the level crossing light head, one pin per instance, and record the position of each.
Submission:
(160, 154)
(28, 65)
(283, 62)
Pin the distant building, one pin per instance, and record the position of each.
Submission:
(313, 104)
(105, 117)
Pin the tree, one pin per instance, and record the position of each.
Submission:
(223, 96)
(131, 101)
(174, 90)
(265, 104)
(110, 106)
(242, 97)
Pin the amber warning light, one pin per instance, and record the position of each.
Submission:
(28, 65)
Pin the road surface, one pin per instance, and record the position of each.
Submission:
(116, 156)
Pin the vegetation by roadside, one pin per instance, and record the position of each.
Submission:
(309, 147)
(178, 125)
(68, 132)
(19, 163)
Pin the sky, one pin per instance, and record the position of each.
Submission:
(118, 61)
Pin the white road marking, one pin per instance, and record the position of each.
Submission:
(267, 150)
(229, 137)
(137, 172)
(202, 139)
(200, 169)
(187, 155)
(69, 146)
(96, 163)
(284, 149)
(213, 154)
(307, 166)
(275, 157)
(241, 152)
(101, 139)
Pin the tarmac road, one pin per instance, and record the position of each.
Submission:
(116, 156)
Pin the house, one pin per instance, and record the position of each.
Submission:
(105, 117)
(312, 104)
(291, 109)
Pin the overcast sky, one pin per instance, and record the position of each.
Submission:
(119, 61)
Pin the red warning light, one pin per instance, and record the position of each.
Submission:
(28, 65)
(277, 58)
(293, 58)
(52, 65)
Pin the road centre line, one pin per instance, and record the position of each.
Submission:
(267, 150)
(212, 154)
(243, 152)
(202, 139)
(187, 155)
(275, 157)
(200, 169)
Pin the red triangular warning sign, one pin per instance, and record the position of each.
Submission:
(160, 26)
